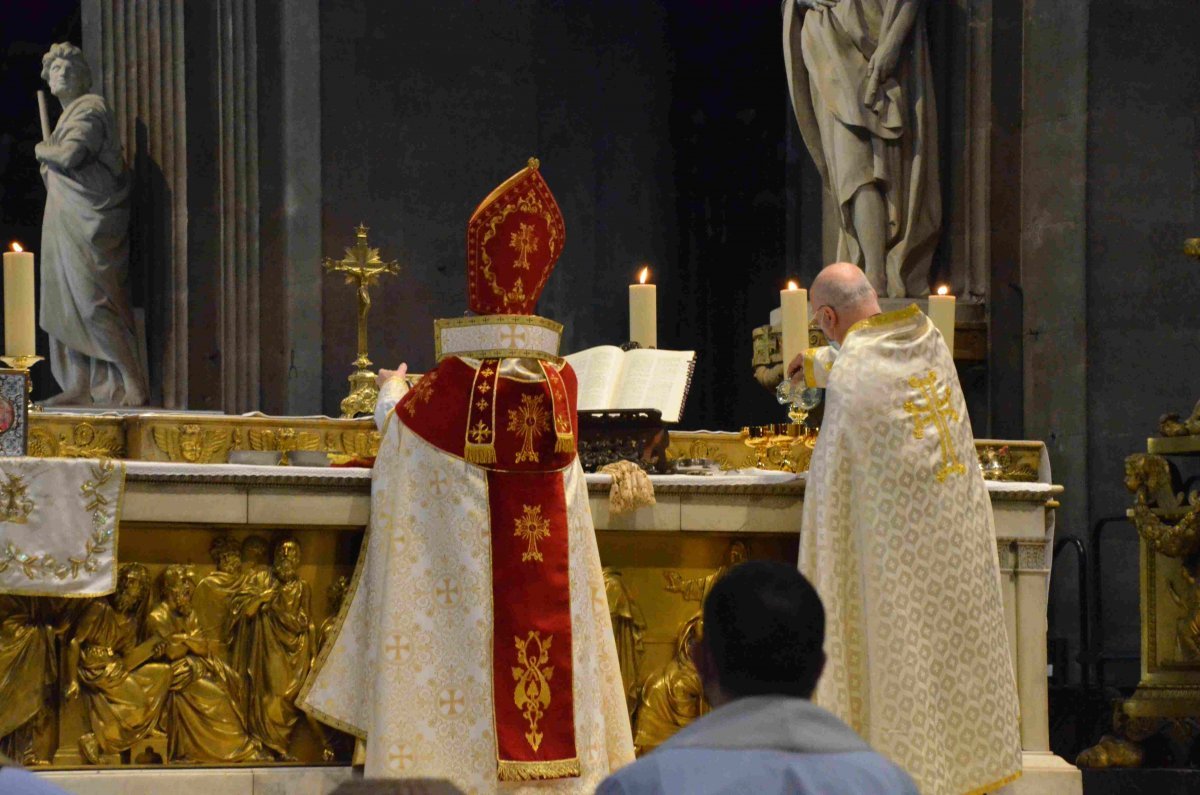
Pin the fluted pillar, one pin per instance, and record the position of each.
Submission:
(135, 49)
(237, 62)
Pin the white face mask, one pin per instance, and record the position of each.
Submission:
(837, 346)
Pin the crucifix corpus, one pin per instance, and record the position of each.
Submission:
(363, 268)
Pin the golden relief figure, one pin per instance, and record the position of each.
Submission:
(274, 645)
(332, 740)
(204, 719)
(193, 444)
(210, 601)
(107, 662)
(1187, 598)
(28, 679)
(629, 627)
(671, 697)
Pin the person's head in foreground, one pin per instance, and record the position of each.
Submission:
(764, 629)
(760, 658)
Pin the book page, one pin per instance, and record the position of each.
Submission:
(598, 370)
(654, 379)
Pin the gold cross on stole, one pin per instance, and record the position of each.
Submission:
(937, 412)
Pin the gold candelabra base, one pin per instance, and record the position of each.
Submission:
(24, 363)
(363, 393)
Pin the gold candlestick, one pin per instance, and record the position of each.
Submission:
(24, 363)
(363, 268)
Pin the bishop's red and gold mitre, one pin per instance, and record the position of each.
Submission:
(514, 238)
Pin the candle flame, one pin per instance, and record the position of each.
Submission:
(17, 246)
(943, 290)
(644, 274)
(792, 285)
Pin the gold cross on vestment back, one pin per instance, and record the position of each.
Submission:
(935, 411)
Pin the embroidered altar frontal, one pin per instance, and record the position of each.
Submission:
(522, 432)
(58, 526)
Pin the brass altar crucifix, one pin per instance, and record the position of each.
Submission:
(362, 267)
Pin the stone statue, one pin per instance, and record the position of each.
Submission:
(108, 661)
(862, 89)
(275, 646)
(629, 626)
(85, 305)
(204, 717)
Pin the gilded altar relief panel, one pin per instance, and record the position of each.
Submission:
(195, 659)
(1171, 618)
(656, 584)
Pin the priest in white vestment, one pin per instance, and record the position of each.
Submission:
(476, 645)
(899, 542)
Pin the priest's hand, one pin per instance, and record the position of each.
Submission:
(387, 375)
(795, 368)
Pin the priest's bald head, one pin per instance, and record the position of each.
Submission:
(842, 296)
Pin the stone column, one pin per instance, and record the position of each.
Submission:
(237, 76)
(135, 50)
(1053, 243)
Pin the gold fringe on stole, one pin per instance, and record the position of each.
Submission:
(480, 453)
(538, 771)
(559, 409)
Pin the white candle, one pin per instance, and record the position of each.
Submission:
(643, 312)
(793, 307)
(18, 303)
(941, 312)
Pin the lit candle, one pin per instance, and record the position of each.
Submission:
(643, 311)
(18, 302)
(941, 312)
(793, 307)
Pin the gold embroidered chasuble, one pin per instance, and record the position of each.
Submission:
(412, 665)
(899, 541)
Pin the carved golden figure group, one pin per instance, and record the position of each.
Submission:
(210, 665)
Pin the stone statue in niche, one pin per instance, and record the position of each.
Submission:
(275, 645)
(204, 718)
(85, 306)
(862, 90)
(109, 661)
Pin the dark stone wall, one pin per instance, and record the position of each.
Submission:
(1143, 200)
(658, 127)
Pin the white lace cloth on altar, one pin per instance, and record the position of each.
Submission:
(58, 525)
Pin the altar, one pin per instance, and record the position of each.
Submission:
(179, 498)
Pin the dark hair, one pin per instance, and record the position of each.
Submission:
(765, 628)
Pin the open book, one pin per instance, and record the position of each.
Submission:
(643, 378)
